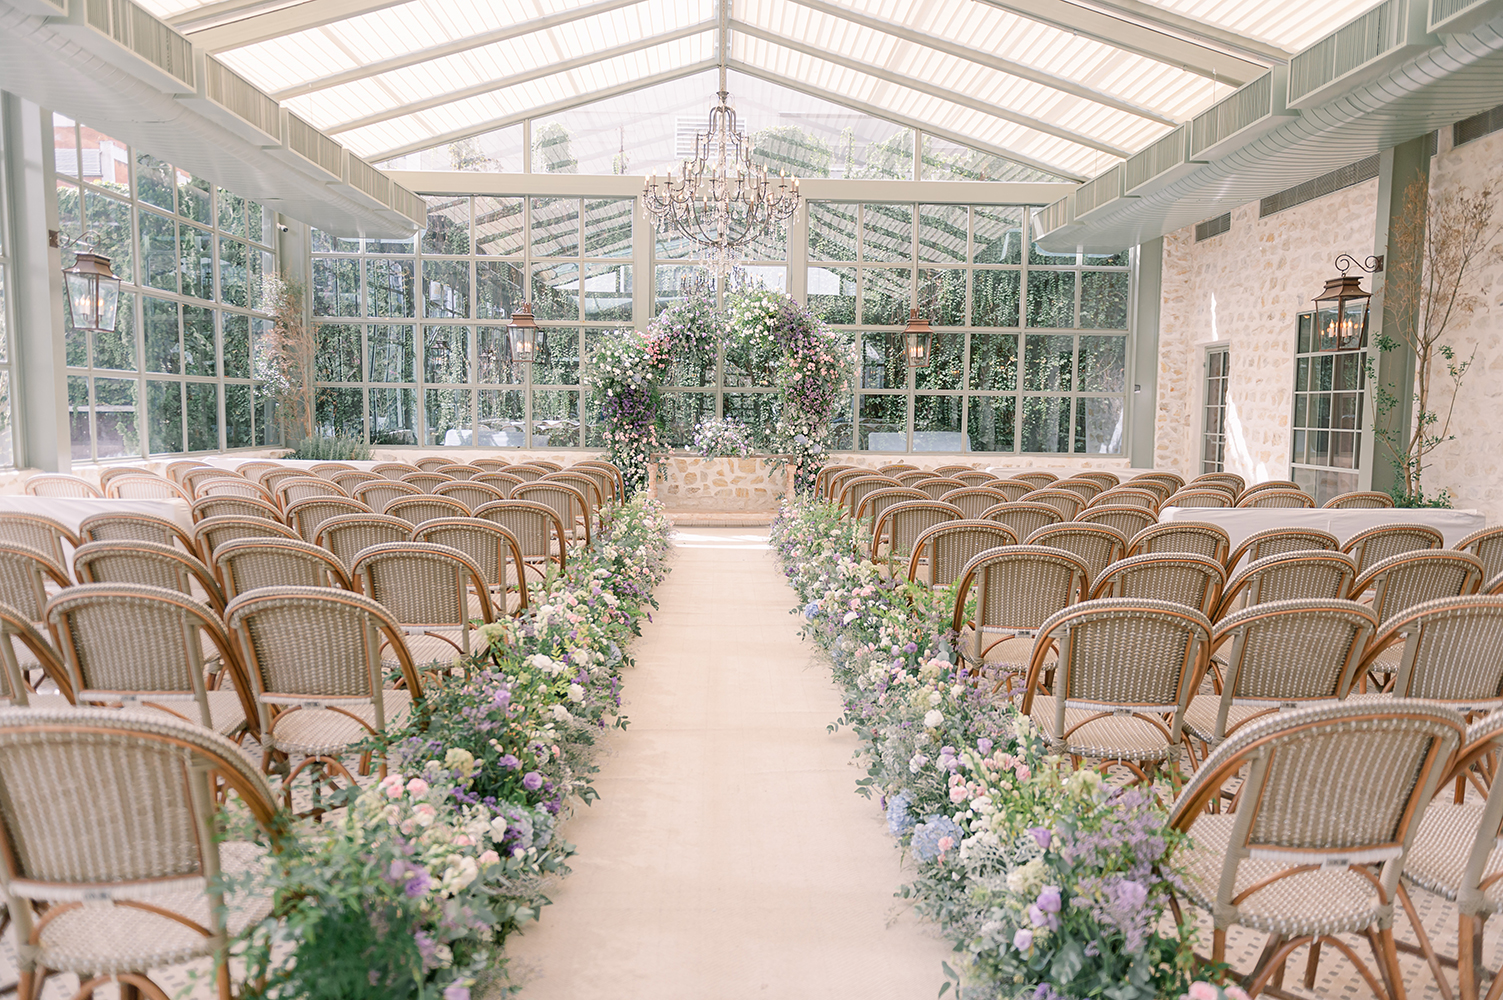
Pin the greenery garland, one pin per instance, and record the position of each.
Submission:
(811, 372)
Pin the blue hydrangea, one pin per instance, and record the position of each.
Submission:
(811, 609)
(900, 818)
(928, 834)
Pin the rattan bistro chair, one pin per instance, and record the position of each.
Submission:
(145, 487)
(194, 478)
(39, 533)
(836, 479)
(307, 516)
(426, 481)
(1124, 675)
(1368, 500)
(1177, 577)
(940, 553)
(1018, 587)
(876, 502)
(537, 529)
(892, 469)
(1013, 489)
(376, 495)
(503, 482)
(176, 470)
(568, 503)
(149, 564)
(1370, 547)
(975, 500)
(129, 525)
(973, 477)
(1286, 577)
(1276, 541)
(348, 479)
(145, 648)
(212, 532)
(1097, 545)
(26, 577)
(489, 546)
(1125, 518)
(254, 470)
(1327, 794)
(1086, 489)
(1487, 546)
(604, 482)
(459, 470)
(1195, 537)
(900, 524)
(1449, 649)
(223, 506)
(937, 486)
(314, 659)
(1457, 855)
(1409, 579)
(270, 479)
(24, 650)
(853, 491)
(230, 487)
(1038, 480)
(58, 485)
(1108, 480)
(416, 510)
(1230, 480)
(432, 463)
(347, 534)
(914, 476)
(1132, 496)
(471, 493)
(433, 590)
(527, 472)
(1022, 517)
(1194, 497)
(328, 470)
(1276, 498)
(1277, 656)
(1269, 484)
(1067, 503)
(90, 892)
(609, 469)
(247, 563)
(290, 491)
(489, 464)
(394, 470)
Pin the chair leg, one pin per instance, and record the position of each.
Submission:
(1388, 958)
(1312, 964)
(1424, 942)
(1468, 953)
(1218, 946)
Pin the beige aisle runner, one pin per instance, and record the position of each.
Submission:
(728, 855)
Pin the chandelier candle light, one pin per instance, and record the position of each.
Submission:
(720, 201)
(1341, 309)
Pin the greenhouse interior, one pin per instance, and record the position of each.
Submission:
(980, 498)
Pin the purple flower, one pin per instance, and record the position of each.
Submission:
(984, 745)
(417, 883)
(1041, 836)
(1023, 939)
(532, 781)
(456, 991)
(1049, 900)
(508, 761)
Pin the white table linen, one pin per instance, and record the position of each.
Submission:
(1239, 522)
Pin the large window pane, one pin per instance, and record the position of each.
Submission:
(1046, 423)
(336, 286)
(1103, 300)
(998, 235)
(555, 227)
(936, 423)
(162, 349)
(758, 411)
(493, 354)
(389, 289)
(446, 289)
(338, 358)
(1098, 425)
(448, 412)
(994, 297)
(235, 344)
(555, 291)
(159, 251)
(197, 249)
(1103, 364)
(237, 416)
(989, 422)
(194, 199)
(946, 368)
(448, 230)
(555, 418)
(498, 289)
(339, 413)
(885, 295)
(682, 412)
(884, 363)
(887, 232)
(116, 349)
(232, 273)
(832, 293)
(110, 218)
(994, 361)
(558, 357)
(391, 352)
(115, 428)
(941, 297)
(1047, 362)
(446, 354)
(751, 364)
(607, 227)
(503, 422)
(608, 292)
(499, 226)
(156, 181)
(198, 342)
(943, 233)
(393, 416)
(232, 213)
(1051, 298)
(164, 412)
(78, 418)
(883, 423)
(203, 416)
(832, 231)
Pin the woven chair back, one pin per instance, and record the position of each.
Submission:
(1270, 484)
(222, 506)
(1132, 496)
(588, 487)
(835, 482)
(568, 503)
(1277, 541)
(459, 470)
(140, 808)
(878, 501)
(1263, 499)
(310, 643)
(1487, 546)
(941, 552)
(347, 534)
(1412, 578)
(913, 476)
(220, 487)
(618, 482)
(504, 482)
(488, 464)
(378, 494)
(129, 526)
(125, 642)
(194, 478)
(1362, 500)
(855, 490)
(25, 574)
(1173, 480)
(1068, 504)
(935, 487)
(605, 483)
(328, 470)
(1023, 516)
(893, 468)
(1108, 480)
(1123, 653)
(431, 463)
(1019, 586)
(536, 527)
(545, 463)
(1339, 785)
(272, 478)
(1193, 497)
(57, 485)
(1289, 576)
(212, 532)
(149, 564)
(1194, 537)
(394, 470)
(527, 472)
(974, 501)
(1013, 489)
(426, 481)
(1038, 480)
(901, 523)
(1452, 651)
(945, 470)
(472, 493)
(37, 532)
(143, 487)
(176, 470)
(247, 563)
(1162, 489)
(1086, 489)
(16, 628)
(974, 477)
(416, 510)
(1097, 545)
(1191, 581)
(424, 585)
(348, 479)
(253, 470)
(1284, 652)
(1227, 479)
(488, 545)
(1125, 518)
(307, 516)
(290, 491)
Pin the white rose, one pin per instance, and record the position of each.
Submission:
(576, 693)
(934, 718)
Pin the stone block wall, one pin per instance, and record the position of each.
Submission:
(722, 485)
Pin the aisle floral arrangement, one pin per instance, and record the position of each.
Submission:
(1050, 883)
(722, 438)
(411, 891)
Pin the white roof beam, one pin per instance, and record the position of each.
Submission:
(943, 93)
(211, 14)
(547, 69)
(1188, 27)
(987, 59)
(464, 44)
(907, 122)
(1151, 43)
(264, 26)
(557, 107)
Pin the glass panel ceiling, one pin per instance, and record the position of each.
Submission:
(1068, 90)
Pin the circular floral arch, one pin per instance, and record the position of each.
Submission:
(811, 369)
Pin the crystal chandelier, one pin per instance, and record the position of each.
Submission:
(719, 200)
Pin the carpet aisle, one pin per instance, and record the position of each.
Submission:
(728, 855)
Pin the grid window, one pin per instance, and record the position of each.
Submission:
(1330, 391)
(1030, 348)
(1213, 438)
(412, 333)
(176, 373)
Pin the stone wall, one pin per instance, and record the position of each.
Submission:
(722, 485)
(1245, 288)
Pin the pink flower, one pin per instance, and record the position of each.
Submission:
(489, 858)
(1202, 991)
(417, 786)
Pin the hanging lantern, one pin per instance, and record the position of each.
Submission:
(918, 340)
(1341, 310)
(93, 293)
(522, 333)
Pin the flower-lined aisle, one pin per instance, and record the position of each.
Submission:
(412, 890)
(1049, 882)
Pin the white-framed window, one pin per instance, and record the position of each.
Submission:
(1213, 434)
(1330, 396)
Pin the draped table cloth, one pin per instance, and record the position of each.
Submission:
(1239, 522)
